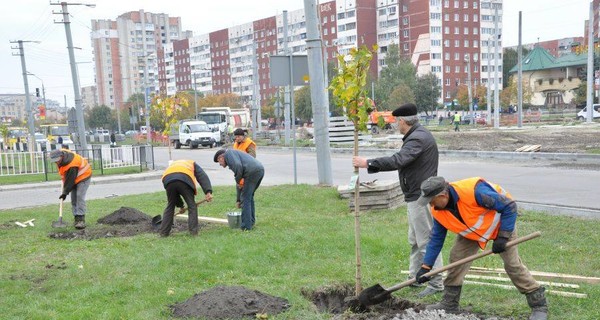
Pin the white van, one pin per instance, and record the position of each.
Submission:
(582, 115)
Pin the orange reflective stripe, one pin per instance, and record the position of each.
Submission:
(244, 145)
(182, 166)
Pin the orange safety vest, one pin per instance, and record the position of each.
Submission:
(182, 166)
(244, 145)
(480, 224)
(84, 170)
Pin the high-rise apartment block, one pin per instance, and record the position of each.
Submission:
(450, 38)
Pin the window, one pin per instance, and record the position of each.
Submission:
(436, 68)
(447, 82)
(447, 69)
(405, 46)
(447, 43)
(382, 12)
(465, 4)
(405, 33)
(436, 29)
(475, 17)
(456, 56)
(475, 44)
(436, 56)
(455, 4)
(456, 69)
(446, 3)
(447, 56)
(446, 17)
(466, 17)
(456, 43)
(466, 30)
(405, 20)
(456, 17)
(475, 30)
(456, 30)
(436, 43)
(404, 8)
(391, 10)
(474, 4)
(466, 43)
(446, 30)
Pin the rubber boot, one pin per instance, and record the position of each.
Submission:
(538, 305)
(449, 301)
(79, 222)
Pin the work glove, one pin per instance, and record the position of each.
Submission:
(62, 196)
(424, 269)
(499, 245)
(238, 204)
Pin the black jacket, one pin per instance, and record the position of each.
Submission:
(416, 161)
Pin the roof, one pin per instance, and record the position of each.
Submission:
(540, 59)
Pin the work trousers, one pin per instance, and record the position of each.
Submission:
(78, 205)
(252, 181)
(420, 223)
(516, 271)
(175, 190)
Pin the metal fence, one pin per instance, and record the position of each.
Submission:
(100, 157)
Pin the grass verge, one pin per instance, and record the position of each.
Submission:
(304, 238)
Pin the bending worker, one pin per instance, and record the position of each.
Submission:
(180, 180)
(477, 211)
(76, 175)
(248, 173)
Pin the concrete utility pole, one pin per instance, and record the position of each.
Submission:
(146, 89)
(318, 92)
(520, 78)
(590, 67)
(254, 111)
(195, 97)
(28, 107)
(468, 61)
(496, 88)
(80, 142)
(488, 117)
(286, 94)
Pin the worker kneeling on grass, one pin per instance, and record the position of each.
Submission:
(76, 175)
(180, 180)
(477, 211)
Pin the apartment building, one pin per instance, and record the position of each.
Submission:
(126, 53)
(450, 38)
(89, 96)
(13, 106)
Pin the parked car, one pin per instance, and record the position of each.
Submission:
(582, 115)
(41, 140)
(479, 119)
(131, 133)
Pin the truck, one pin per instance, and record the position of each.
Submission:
(220, 118)
(381, 119)
(193, 133)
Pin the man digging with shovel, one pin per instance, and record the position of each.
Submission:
(76, 175)
(180, 180)
(477, 211)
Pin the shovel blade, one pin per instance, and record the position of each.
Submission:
(59, 223)
(373, 295)
(156, 221)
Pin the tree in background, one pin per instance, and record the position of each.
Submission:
(401, 95)
(4, 133)
(479, 92)
(303, 104)
(510, 58)
(399, 70)
(427, 92)
(348, 88)
(580, 94)
(100, 117)
(509, 95)
(166, 111)
(220, 100)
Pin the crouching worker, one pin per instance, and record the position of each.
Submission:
(180, 180)
(477, 211)
(76, 175)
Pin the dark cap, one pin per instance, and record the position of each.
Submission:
(55, 155)
(405, 110)
(239, 132)
(431, 188)
(217, 154)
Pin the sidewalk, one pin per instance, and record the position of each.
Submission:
(148, 175)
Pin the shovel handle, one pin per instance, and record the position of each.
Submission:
(463, 261)
(60, 207)
(183, 210)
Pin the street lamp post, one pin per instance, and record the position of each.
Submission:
(468, 61)
(43, 88)
(195, 97)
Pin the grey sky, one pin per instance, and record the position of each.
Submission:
(34, 20)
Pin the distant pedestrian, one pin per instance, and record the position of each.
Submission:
(440, 120)
(60, 142)
(456, 121)
(180, 180)
(113, 139)
(76, 175)
(248, 173)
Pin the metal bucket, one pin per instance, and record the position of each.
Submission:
(234, 219)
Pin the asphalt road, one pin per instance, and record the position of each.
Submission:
(562, 190)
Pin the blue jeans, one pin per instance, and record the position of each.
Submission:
(251, 183)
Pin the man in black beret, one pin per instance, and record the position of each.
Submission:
(416, 161)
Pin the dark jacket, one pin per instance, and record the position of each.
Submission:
(242, 164)
(416, 161)
(200, 175)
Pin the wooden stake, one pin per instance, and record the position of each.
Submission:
(541, 274)
(502, 279)
(510, 287)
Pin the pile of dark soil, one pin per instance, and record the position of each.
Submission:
(340, 301)
(234, 302)
(123, 222)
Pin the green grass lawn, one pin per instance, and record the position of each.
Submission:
(304, 238)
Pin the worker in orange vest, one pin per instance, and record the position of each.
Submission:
(477, 211)
(76, 175)
(180, 180)
(243, 143)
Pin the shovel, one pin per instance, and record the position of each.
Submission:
(157, 220)
(377, 294)
(59, 223)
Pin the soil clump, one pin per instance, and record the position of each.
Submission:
(230, 302)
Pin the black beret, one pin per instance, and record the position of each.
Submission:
(405, 110)
(220, 152)
(239, 132)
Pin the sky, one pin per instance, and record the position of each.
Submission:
(48, 60)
